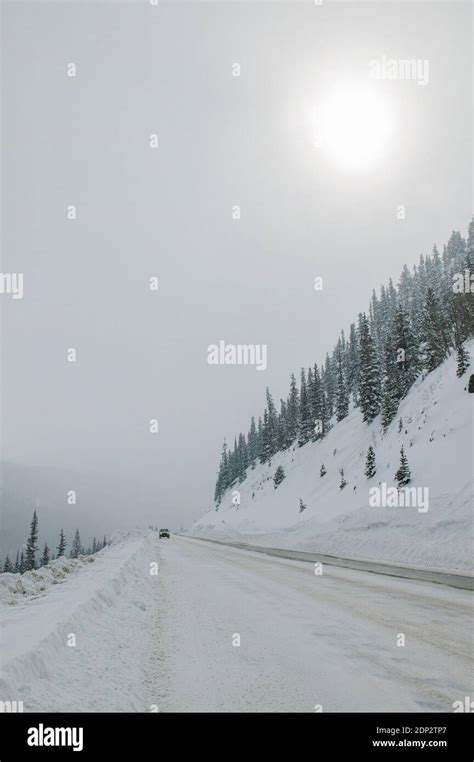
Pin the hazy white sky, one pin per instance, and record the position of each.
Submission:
(223, 140)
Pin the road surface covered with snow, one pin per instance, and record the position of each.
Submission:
(226, 629)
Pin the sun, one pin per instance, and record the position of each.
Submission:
(356, 130)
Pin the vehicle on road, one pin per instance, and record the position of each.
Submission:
(164, 533)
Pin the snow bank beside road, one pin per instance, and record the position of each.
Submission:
(84, 644)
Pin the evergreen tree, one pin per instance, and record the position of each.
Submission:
(316, 404)
(17, 563)
(94, 546)
(252, 443)
(342, 397)
(292, 408)
(279, 476)
(403, 475)
(32, 543)
(7, 566)
(435, 340)
(463, 360)
(370, 468)
(45, 557)
(22, 564)
(322, 470)
(305, 432)
(302, 506)
(272, 425)
(62, 544)
(369, 380)
(343, 482)
(76, 545)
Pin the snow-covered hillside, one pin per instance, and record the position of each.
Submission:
(436, 434)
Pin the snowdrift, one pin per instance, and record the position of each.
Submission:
(78, 633)
(436, 432)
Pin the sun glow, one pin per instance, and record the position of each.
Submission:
(356, 130)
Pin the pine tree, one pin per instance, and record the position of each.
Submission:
(369, 380)
(370, 468)
(76, 545)
(305, 431)
(292, 408)
(463, 360)
(32, 543)
(435, 342)
(45, 557)
(322, 470)
(343, 482)
(94, 546)
(279, 476)
(272, 425)
(17, 563)
(302, 506)
(62, 544)
(7, 566)
(342, 397)
(22, 564)
(252, 443)
(403, 475)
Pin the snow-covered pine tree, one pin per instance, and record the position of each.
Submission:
(353, 364)
(32, 543)
(76, 545)
(403, 344)
(435, 341)
(316, 404)
(390, 390)
(343, 482)
(328, 381)
(292, 407)
(272, 425)
(279, 476)
(94, 546)
(342, 396)
(62, 544)
(22, 564)
(264, 450)
(370, 467)
(369, 379)
(403, 475)
(305, 432)
(463, 360)
(45, 557)
(322, 470)
(252, 443)
(8, 566)
(17, 563)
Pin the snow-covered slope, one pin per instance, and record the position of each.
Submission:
(437, 438)
(79, 634)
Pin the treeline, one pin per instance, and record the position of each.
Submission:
(32, 558)
(408, 329)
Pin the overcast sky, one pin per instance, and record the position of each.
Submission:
(222, 141)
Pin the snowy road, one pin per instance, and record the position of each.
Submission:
(305, 640)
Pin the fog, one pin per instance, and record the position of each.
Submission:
(169, 212)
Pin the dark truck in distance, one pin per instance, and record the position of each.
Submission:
(164, 533)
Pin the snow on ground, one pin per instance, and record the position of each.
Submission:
(304, 639)
(437, 437)
(168, 642)
(108, 604)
